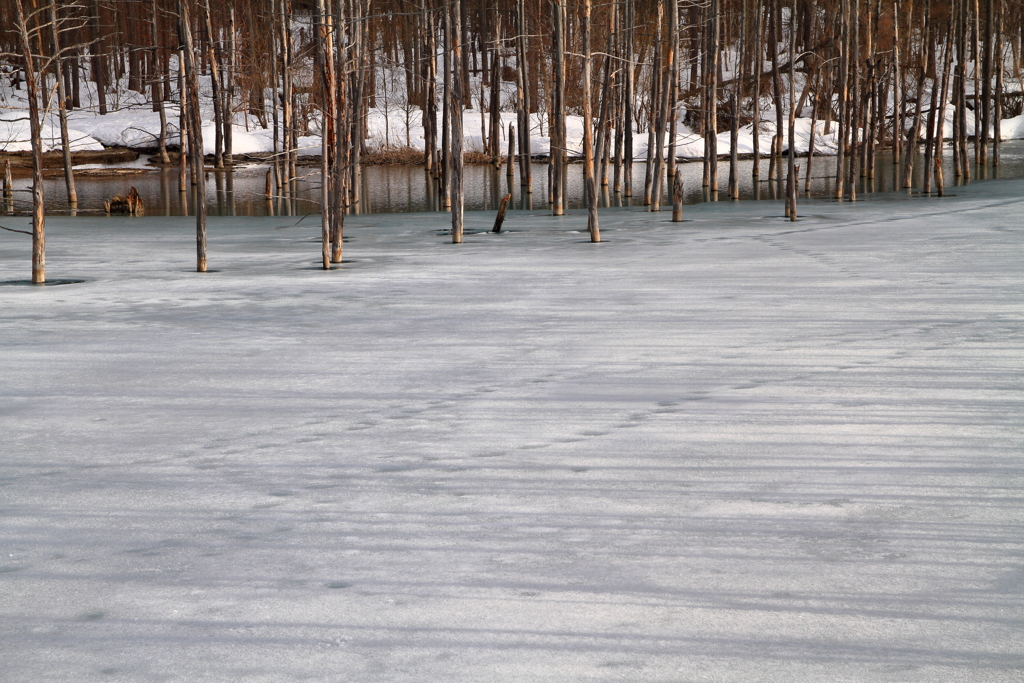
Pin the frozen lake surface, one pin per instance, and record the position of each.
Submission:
(732, 449)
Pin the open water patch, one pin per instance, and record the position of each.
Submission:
(48, 283)
(335, 265)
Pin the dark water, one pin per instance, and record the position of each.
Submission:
(390, 189)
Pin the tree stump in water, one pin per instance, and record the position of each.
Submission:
(131, 205)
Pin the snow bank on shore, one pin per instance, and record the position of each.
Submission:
(133, 123)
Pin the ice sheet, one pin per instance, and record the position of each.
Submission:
(731, 449)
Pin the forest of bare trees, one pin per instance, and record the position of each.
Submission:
(878, 74)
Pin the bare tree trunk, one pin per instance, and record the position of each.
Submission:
(218, 117)
(183, 125)
(792, 115)
(76, 86)
(856, 131)
(872, 108)
(191, 105)
(965, 164)
(810, 144)
(979, 148)
(929, 142)
(677, 196)
(456, 104)
(8, 188)
(915, 128)
(898, 87)
(324, 39)
(604, 139)
(627, 111)
(588, 144)
(712, 134)
(617, 116)
(557, 124)
(229, 90)
(755, 171)
(287, 114)
(776, 33)
(430, 89)
(673, 90)
(275, 49)
(160, 76)
(99, 66)
(997, 136)
(510, 157)
(341, 128)
(523, 99)
(734, 140)
(65, 140)
(661, 118)
(986, 82)
(844, 67)
(446, 111)
(652, 119)
(495, 107)
(32, 88)
(940, 134)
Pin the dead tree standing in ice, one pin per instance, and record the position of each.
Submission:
(523, 99)
(213, 58)
(791, 179)
(627, 99)
(65, 140)
(190, 104)
(557, 122)
(35, 130)
(325, 58)
(588, 142)
(158, 79)
(711, 136)
(456, 103)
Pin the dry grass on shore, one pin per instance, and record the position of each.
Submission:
(410, 156)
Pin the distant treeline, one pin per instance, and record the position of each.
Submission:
(879, 73)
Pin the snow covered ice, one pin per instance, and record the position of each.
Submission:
(732, 449)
